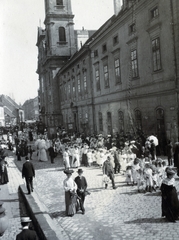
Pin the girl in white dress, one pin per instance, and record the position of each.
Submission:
(66, 159)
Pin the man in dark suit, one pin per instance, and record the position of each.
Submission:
(28, 172)
(109, 171)
(81, 190)
(26, 233)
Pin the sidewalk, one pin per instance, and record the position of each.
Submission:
(120, 214)
(9, 195)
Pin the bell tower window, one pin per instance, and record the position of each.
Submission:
(59, 2)
(62, 34)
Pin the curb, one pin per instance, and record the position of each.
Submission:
(44, 225)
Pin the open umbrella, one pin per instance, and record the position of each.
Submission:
(155, 139)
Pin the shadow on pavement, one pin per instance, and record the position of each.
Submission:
(130, 193)
(147, 220)
(95, 189)
(55, 170)
(153, 194)
(58, 214)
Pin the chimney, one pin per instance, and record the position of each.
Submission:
(117, 6)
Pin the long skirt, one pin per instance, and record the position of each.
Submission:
(71, 203)
(84, 160)
(42, 156)
(170, 202)
(4, 176)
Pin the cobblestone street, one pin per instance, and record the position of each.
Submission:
(110, 214)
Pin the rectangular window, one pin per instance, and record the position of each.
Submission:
(154, 12)
(156, 54)
(134, 64)
(104, 48)
(65, 92)
(117, 71)
(42, 84)
(132, 28)
(97, 80)
(85, 83)
(95, 53)
(73, 88)
(106, 76)
(115, 40)
(79, 83)
(86, 117)
(59, 2)
(69, 90)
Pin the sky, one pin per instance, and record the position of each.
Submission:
(19, 20)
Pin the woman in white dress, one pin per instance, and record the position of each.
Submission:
(76, 157)
(42, 148)
(66, 159)
(89, 157)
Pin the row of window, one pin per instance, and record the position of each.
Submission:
(137, 119)
(132, 28)
(69, 88)
(156, 58)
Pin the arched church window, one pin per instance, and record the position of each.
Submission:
(109, 123)
(59, 2)
(100, 118)
(121, 121)
(62, 35)
(138, 118)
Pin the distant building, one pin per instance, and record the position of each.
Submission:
(11, 111)
(2, 117)
(31, 109)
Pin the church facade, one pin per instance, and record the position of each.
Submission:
(123, 79)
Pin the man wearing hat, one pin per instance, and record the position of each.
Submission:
(81, 188)
(28, 172)
(26, 233)
(109, 170)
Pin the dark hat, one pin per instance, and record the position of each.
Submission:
(68, 171)
(25, 219)
(80, 170)
(170, 171)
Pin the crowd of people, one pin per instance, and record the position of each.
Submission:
(135, 159)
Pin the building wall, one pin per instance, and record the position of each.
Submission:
(149, 90)
(146, 102)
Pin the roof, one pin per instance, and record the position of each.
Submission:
(8, 112)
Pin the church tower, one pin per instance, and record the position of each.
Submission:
(59, 24)
(56, 44)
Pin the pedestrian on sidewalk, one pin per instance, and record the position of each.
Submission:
(109, 170)
(26, 233)
(3, 171)
(28, 172)
(170, 202)
(30, 152)
(81, 188)
(70, 188)
(52, 152)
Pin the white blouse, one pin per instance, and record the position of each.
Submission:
(69, 184)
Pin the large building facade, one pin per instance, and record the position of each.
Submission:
(31, 109)
(125, 77)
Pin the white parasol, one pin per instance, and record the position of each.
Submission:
(155, 139)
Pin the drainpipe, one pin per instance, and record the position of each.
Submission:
(175, 63)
